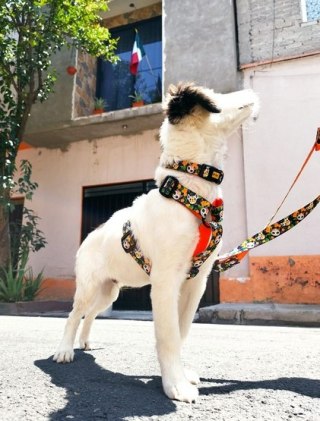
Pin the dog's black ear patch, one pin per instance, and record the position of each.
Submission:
(182, 100)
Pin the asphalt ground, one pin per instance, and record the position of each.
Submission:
(247, 372)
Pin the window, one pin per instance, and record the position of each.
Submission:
(115, 83)
(310, 10)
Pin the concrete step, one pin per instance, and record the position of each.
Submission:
(261, 314)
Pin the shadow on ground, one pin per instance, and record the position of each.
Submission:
(299, 385)
(93, 392)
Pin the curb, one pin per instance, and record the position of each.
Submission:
(26, 308)
(63, 308)
(266, 314)
(262, 314)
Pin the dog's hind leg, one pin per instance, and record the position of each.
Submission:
(165, 295)
(106, 295)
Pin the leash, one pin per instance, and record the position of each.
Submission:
(272, 230)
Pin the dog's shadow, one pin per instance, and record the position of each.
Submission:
(299, 385)
(93, 392)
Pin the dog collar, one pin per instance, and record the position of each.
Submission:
(205, 171)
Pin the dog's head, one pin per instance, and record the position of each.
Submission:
(199, 121)
(185, 99)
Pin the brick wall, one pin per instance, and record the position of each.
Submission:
(273, 29)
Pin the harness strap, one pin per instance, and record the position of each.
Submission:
(129, 245)
(205, 171)
(202, 208)
(210, 229)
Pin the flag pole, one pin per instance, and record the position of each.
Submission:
(150, 68)
(151, 71)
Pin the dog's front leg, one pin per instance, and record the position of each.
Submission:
(165, 296)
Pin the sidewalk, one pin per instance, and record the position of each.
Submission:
(262, 314)
(237, 314)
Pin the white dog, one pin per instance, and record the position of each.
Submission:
(198, 122)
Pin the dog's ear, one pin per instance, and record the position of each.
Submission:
(183, 98)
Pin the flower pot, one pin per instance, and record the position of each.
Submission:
(98, 111)
(138, 104)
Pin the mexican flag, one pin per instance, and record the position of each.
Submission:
(137, 54)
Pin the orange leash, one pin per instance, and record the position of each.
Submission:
(315, 147)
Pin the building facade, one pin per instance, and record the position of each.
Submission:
(80, 159)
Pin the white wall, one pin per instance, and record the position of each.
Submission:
(274, 152)
(61, 176)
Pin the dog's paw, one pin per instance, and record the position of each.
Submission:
(191, 376)
(64, 355)
(181, 391)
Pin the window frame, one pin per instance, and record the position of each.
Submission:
(304, 15)
(128, 27)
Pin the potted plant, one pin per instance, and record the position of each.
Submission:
(99, 106)
(137, 99)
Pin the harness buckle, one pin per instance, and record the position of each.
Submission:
(168, 186)
(207, 172)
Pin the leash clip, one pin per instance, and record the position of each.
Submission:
(168, 186)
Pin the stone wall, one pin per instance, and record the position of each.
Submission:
(269, 30)
(85, 89)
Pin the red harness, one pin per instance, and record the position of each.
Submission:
(205, 232)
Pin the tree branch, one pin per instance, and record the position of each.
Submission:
(8, 74)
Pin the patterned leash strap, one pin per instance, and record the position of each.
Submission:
(272, 230)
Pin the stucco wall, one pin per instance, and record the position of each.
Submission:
(284, 133)
(61, 176)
